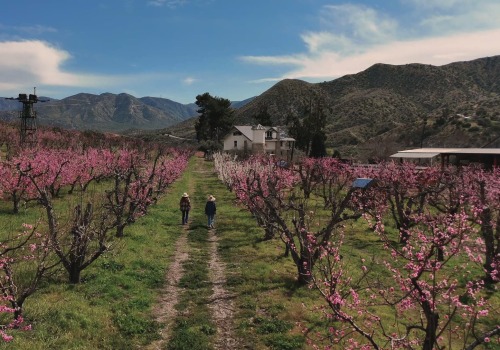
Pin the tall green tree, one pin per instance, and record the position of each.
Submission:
(298, 130)
(216, 117)
(318, 145)
(309, 132)
(263, 117)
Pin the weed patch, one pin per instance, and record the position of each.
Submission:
(285, 342)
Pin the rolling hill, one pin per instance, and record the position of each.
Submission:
(369, 115)
(106, 112)
(374, 113)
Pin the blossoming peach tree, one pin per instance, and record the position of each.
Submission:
(28, 248)
(281, 197)
(435, 237)
(41, 175)
(424, 291)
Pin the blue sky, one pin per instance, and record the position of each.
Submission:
(235, 49)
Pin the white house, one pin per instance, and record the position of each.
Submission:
(258, 138)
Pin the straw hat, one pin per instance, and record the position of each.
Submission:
(185, 195)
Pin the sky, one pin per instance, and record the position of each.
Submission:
(234, 49)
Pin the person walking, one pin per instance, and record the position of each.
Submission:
(210, 211)
(185, 206)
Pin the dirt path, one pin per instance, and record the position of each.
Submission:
(164, 311)
(220, 301)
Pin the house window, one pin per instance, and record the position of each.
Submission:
(237, 133)
(269, 134)
(235, 144)
(281, 143)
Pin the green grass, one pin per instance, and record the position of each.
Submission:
(268, 301)
(193, 328)
(112, 307)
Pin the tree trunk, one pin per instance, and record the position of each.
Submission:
(305, 271)
(287, 251)
(403, 239)
(440, 254)
(18, 311)
(119, 230)
(431, 331)
(269, 233)
(74, 274)
(16, 201)
(403, 230)
(488, 234)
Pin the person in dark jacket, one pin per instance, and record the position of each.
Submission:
(210, 211)
(185, 206)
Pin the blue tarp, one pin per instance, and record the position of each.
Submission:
(362, 182)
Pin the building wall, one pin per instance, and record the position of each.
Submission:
(273, 145)
(240, 140)
(258, 148)
(270, 146)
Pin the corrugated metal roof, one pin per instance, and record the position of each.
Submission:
(415, 155)
(454, 150)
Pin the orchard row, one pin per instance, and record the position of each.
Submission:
(431, 278)
(107, 189)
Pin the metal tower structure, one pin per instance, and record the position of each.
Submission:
(28, 117)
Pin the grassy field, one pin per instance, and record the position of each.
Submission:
(113, 307)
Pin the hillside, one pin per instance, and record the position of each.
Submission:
(387, 107)
(108, 112)
(370, 115)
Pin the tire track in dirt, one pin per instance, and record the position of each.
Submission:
(165, 312)
(220, 302)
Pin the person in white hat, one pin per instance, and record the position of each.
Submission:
(185, 206)
(210, 211)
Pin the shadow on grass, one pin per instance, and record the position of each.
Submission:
(9, 212)
(198, 226)
(292, 286)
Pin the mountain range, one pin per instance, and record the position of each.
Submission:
(385, 108)
(105, 112)
(369, 114)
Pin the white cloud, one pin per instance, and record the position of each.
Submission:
(360, 23)
(442, 4)
(189, 80)
(451, 16)
(33, 62)
(29, 30)
(25, 64)
(168, 3)
(435, 51)
(274, 60)
(353, 38)
(321, 41)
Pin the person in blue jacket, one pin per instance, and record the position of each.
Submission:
(210, 211)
